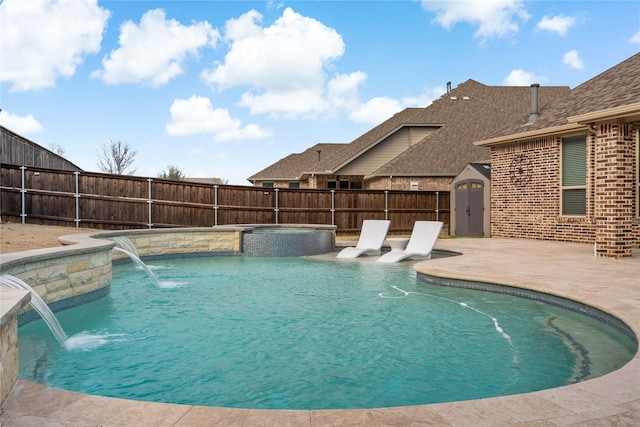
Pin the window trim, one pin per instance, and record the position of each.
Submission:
(564, 187)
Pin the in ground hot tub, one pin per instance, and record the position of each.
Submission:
(287, 240)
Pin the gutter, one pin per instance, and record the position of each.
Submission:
(575, 123)
(631, 111)
(539, 133)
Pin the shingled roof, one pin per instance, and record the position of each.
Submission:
(465, 114)
(617, 87)
(478, 110)
(291, 167)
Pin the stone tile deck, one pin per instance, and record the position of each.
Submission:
(563, 269)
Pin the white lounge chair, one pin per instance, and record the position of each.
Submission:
(423, 239)
(371, 238)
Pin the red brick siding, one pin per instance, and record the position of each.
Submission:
(531, 208)
(404, 183)
(615, 183)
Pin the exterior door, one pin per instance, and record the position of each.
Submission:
(470, 208)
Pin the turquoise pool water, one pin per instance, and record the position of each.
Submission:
(304, 333)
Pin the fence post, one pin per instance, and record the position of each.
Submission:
(277, 210)
(22, 194)
(333, 207)
(149, 201)
(77, 197)
(215, 205)
(386, 204)
(437, 206)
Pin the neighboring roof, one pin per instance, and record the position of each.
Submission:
(406, 117)
(615, 91)
(211, 181)
(477, 110)
(291, 167)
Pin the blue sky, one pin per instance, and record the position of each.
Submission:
(226, 88)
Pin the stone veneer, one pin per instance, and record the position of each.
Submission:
(75, 273)
(13, 300)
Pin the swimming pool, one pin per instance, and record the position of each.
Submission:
(267, 336)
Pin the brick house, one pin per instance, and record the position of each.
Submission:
(570, 171)
(415, 149)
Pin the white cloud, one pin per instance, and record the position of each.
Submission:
(376, 110)
(520, 77)
(342, 90)
(22, 125)
(559, 24)
(573, 60)
(154, 51)
(284, 65)
(43, 40)
(635, 38)
(196, 115)
(494, 18)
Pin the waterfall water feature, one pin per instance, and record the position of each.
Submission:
(128, 248)
(38, 305)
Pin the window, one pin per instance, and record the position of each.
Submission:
(294, 185)
(331, 185)
(267, 184)
(574, 175)
(344, 185)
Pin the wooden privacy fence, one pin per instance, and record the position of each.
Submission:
(88, 199)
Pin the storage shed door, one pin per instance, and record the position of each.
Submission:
(469, 208)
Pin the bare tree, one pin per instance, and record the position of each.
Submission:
(116, 158)
(172, 173)
(58, 149)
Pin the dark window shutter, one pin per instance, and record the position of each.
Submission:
(574, 161)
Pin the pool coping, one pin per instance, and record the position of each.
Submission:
(565, 270)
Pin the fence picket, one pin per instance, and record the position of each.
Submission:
(59, 197)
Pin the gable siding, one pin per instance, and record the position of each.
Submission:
(386, 150)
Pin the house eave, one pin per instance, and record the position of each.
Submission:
(537, 133)
(629, 112)
(306, 175)
(409, 175)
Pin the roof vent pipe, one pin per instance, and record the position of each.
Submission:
(448, 87)
(534, 104)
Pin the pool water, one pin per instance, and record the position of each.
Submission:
(307, 333)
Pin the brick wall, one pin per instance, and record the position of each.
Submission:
(615, 183)
(525, 192)
(404, 183)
